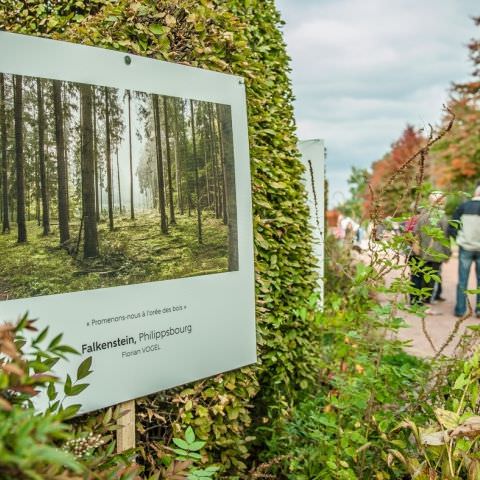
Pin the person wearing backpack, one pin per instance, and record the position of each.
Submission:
(429, 251)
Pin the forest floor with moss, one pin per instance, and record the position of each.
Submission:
(134, 252)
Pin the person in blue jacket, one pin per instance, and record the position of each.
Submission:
(465, 228)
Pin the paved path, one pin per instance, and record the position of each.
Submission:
(439, 327)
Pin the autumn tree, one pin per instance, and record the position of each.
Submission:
(456, 157)
(396, 196)
(473, 86)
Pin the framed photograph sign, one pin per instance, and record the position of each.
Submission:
(125, 215)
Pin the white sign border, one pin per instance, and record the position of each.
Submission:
(220, 307)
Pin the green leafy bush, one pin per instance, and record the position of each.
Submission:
(240, 37)
(38, 445)
(440, 439)
(378, 412)
(365, 382)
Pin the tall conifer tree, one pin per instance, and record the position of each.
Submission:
(19, 160)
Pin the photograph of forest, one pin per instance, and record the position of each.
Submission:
(102, 187)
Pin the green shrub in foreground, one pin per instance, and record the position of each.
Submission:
(365, 383)
(38, 445)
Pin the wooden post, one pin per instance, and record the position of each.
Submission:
(126, 434)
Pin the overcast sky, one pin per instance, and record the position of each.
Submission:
(364, 69)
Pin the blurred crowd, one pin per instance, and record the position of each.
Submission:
(428, 236)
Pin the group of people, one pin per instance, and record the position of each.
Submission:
(350, 232)
(431, 234)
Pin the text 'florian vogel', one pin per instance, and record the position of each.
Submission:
(151, 335)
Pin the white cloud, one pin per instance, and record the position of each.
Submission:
(362, 70)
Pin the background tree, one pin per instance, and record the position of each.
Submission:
(397, 196)
(4, 157)
(62, 174)
(169, 161)
(456, 158)
(129, 99)
(178, 151)
(225, 125)
(197, 184)
(98, 206)
(473, 86)
(119, 184)
(159, 158)
(90, 246)
(108, 158)
(358, 189)
(19, 160)
(41, 160)
(223, 178)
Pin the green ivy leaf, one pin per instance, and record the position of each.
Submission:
(157, 29)
(190, 435)
(181, 444)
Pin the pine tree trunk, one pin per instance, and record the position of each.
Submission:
(118, 183)
(41, 160)
(98, 206)
(197, 186)
(62, 175)
(3, 151)
(169, 162)
(67, 186)
(222, 169)
(90, 245)
(37, 191)
(225, 124)
(132, 211)
(19, 160)
(109, 161)
(161, 183)
(205, 158)
(178, 172)
(154, 189)
(186, 190)
(188, 194)
(28, 199)
(213, 146)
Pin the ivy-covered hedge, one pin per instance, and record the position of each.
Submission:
(242, 37)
